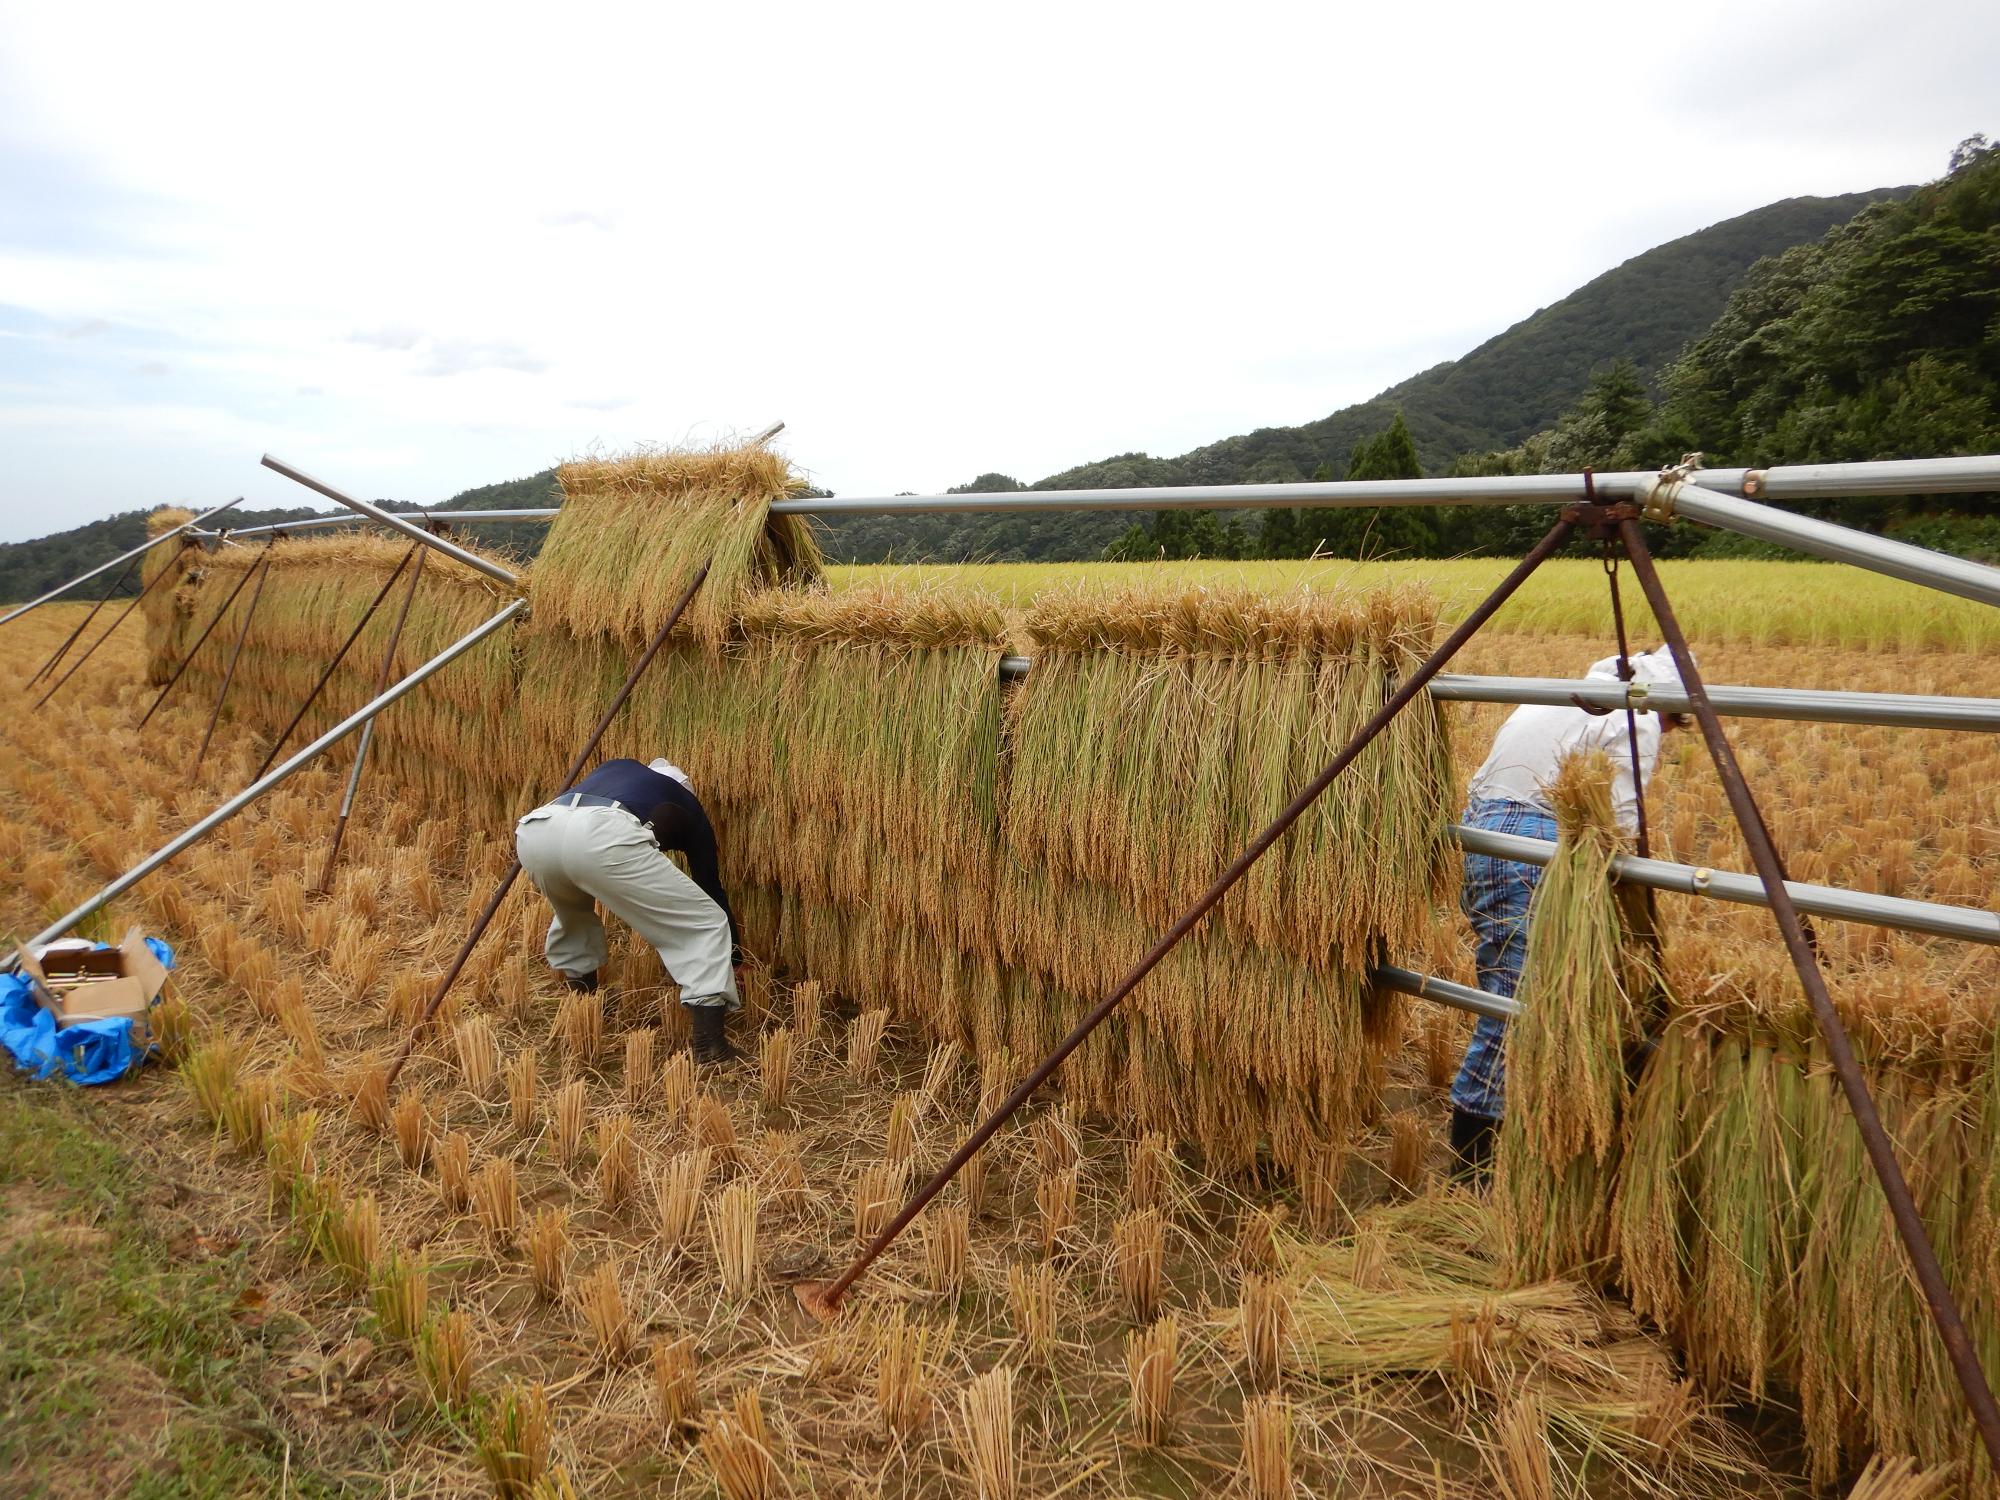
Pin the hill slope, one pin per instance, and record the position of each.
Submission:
(1514, 384)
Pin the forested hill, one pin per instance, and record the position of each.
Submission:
(1514, 384)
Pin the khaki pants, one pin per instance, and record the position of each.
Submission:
(578, 856)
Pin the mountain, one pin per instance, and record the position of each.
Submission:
(1514, 384)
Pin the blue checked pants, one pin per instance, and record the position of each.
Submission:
(1495, 900)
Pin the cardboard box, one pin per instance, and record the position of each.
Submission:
(100, 984)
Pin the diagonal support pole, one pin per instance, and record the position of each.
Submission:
(1800, 944)
(339, 656)
(822, 1299)
(145, 546)
(513, 872)
(235, 655)
(82, 625)
(191, 836)
(200, 641)
(368, 729)
(111, 630)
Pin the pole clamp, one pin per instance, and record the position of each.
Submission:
(1659, 498)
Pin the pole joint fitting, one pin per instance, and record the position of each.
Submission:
(1600, 521)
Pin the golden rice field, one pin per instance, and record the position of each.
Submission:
(1739, 603)
(562, 1263)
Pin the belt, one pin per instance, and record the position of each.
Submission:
(587, 799)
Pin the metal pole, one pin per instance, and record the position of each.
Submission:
(409, 529)
(368, 730)
(81, 625)
(1805, 959)
(1444, 992)
(452, 517)
(1807, 705)
(1810, 481)
(111, 630)
(145, 546)
(264, 783)
(513, 872)
(1937, 570)
(1965, 923)
(327, 676)
(824, 1299)
(1802, 705)
(200, 641)
(235, 655)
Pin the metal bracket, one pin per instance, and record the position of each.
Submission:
(1599, 521)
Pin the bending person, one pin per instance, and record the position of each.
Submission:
(604, 839)
(1508, 794)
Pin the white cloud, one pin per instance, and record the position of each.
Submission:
(418, 253)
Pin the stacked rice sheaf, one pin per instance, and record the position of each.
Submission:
(988, 861)
(1701, 1155)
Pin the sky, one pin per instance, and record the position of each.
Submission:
(416, 248)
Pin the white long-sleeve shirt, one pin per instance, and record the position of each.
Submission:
(1536, 738)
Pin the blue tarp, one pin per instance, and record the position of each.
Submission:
(83, 1052)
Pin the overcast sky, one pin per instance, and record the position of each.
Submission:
(414, 249)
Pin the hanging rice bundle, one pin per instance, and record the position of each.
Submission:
(634, 530)
(1589, 989)
(169, 607)
(1201, 713)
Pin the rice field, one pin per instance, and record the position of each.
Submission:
(1724, 602)
(561, 1258)
(1220, 1257)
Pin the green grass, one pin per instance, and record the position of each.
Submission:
(1736, 601)
(122, 1366)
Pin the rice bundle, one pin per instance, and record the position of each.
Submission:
(1588, 987)
(633, 531)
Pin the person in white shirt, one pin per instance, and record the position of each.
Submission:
(1508, 794)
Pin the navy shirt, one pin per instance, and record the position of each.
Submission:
(673, 813)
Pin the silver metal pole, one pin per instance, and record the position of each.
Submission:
(457, 553)
(1445, 992)
(1892, 476)
(451, 517)
(1938, 570)
(263, 784)
(1929, 917)
(1805, 705)
(1897, 477)
(122, 557)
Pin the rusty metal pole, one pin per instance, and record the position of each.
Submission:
(111, 630)
(338, 656)
(513, 873)
(368, 730)
(235, 655)
(200, 641)
(82, 625)
(1799, 943)
(822, 1299)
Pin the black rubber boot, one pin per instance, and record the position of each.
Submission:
(582, 983)
(1472, 1147)
(710, 1045)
